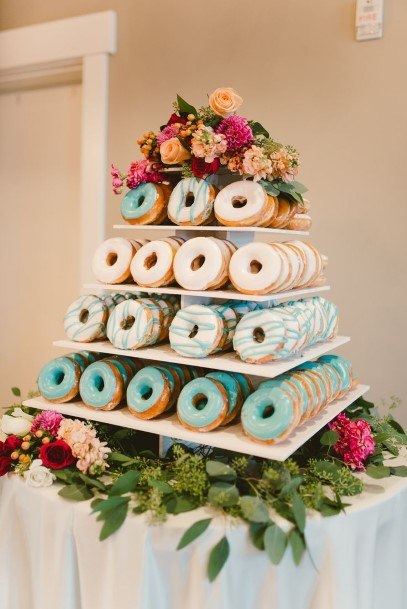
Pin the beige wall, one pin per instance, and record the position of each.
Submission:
(303, 75)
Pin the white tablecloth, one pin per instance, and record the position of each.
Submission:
(51, 558)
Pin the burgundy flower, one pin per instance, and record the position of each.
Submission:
(11, 444)
(174, 118)
(237, 131)
(5, 465)
(201, 169)
(56, 455)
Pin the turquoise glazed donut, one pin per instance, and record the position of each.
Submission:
(101, 386)
(149, 392)
(245, 383)
(143, 204)
(202, 404)
(233, 391)
(268, 415)
(343, 366)
(58, 380)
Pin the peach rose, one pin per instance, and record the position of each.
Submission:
(173, 152)
(225, 101)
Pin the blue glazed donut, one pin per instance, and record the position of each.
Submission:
(233, 391)
(343, 366)
(144, 204)
(101, 386)
(149, 392)
(268, 415)
(202, 404)
(58, 380)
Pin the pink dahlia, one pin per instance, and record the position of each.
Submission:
(143, 171)
(237, 131)
(48, 420)
(355, 442)
(166, 134)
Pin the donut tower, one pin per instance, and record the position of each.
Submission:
(206, 323)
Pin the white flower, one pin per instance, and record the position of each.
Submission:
(17, 424)
(38, 475)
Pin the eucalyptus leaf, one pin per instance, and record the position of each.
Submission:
(185, 107)
(16, 391)
(217, 558)
(298, 187)
(299, 511)
(162, 486)
(256, 534)
(223, 494)
(177, 504)
(275, 543)
(113, 521)
(92, 482)
(76, 492)
(110, 504)
(270, 188)
(399, 470)
(258, 129)
(222, 471)
(291, 485)
(329, 438)
(297, 543)
(254, 509)
(193, 532)
(378, 471)
(119, 458)
(127, 483)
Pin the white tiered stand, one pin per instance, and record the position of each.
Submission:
(231, 437)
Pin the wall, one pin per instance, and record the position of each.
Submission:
(304, 76)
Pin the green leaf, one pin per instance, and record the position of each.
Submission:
(256, 533)
(299, 511)
(297, 543)
(193, 532)
(109, 504)
(399, 470)
(254, 509)
(329, 438)
(223, 494)
(96, 502)
(258, 129)
(76, 492)
(113, 521)
(396, 426)
(270, 188)
(162, 486)
(222, 471)
(16, 391)
(127, 483)
(378, 471)
(291, 485)
(327, 469)
(391, 448)
(275, 543)
(298, 187)
(92, 482)
(217, 558)
(177, 504)
(185, 107)
(329, 508)
(63, 474)
(119, 458)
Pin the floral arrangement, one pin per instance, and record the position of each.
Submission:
(258, 492)
(203, 140)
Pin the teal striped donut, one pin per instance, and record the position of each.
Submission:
(85, 319)
(268, 415)
(202, 404)
(58, 380)
(101, 386)
(196, 331)
(130, 325)
(260, 336)
(202, 206)
(149, 392)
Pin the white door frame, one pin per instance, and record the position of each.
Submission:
(55, 49)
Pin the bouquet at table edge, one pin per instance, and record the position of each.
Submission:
(203, 140)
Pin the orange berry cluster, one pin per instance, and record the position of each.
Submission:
(148, 144)
(21, 454)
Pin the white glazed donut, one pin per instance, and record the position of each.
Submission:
(152, 266)
(191, 202)
(112, 259)
(255, 268)
(243, 203)
(85, 319)
(200, 263)
(130, 325)
(196, 331)
(313, 263)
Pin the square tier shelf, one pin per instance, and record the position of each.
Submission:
(226, 361)
(220, 294)
(229, 438)
(206, 228)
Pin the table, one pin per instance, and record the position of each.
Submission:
(51, 558)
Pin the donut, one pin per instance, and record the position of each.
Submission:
(201, 263)
(101, 386)
(259, 336)
(58, 380)
(130, 326)
(244, 203)
(230, 318)
(343, 367)
(233, 392)
(202, 404)
(149, 392)
(285, 212)
(112, 259)
(152, 265)
(301, 222)
(196, 331)
(126, 371)
(191, 202)
(255, 268)
(268, 415)
(313, 264)
(245, 383)
(145, 204)
(85, 319)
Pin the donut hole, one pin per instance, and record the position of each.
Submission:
(99, 383)
(111, 259)
(127, 323)
(140, 200)
(189, 199)
(255, 266)
(199, 401)
(150, 261)
(239, 202)
(198, 262)
(59, 377)
(84, 316)
(258, 335)
(194, 331)
(146, 393)
(268, 411)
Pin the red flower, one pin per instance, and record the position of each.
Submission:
(201, 169)
(174, 118)
(355, 442)
(5, 465)
(56, 455)
(11, 444)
